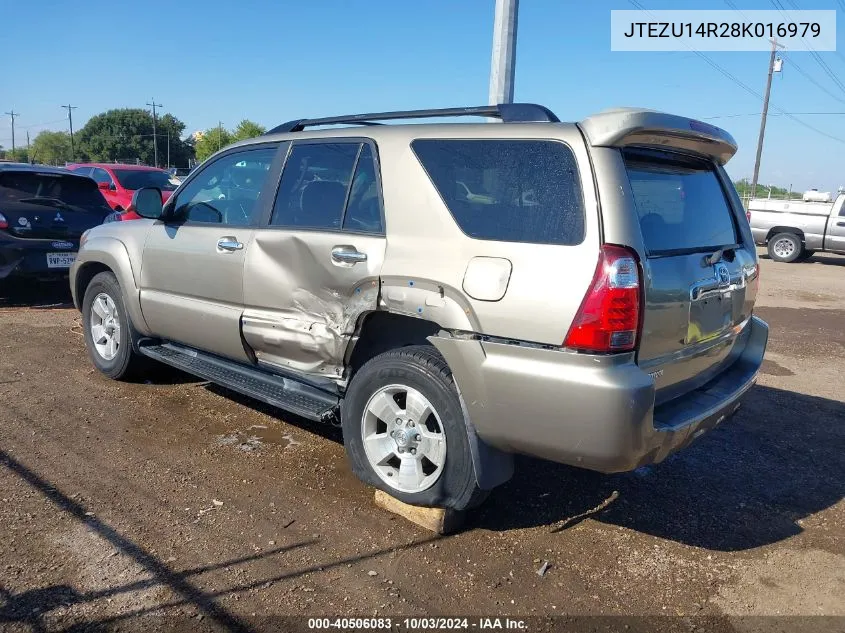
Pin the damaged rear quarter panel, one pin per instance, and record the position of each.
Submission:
(301, 307)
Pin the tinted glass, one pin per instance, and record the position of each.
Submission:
(85, 171)
(140, 178)
(512, 191)
(363, 210)
(226, 191)
(49, 189)
(314, 185)
(101, 175)
(680, 203)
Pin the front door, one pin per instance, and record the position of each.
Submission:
(313, 270)
(192, 268)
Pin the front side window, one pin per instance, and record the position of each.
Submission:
(226, 191)
(508, 190)
(133, 179)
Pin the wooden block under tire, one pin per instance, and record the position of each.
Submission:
(437, 520)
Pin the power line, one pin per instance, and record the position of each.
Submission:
(811, 79)
(750, 91)
(733, 116)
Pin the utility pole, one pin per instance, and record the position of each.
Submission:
(28, 151)
(70, 110)
(155, 140)
(13, 114)
(763, 116)
(503, 62)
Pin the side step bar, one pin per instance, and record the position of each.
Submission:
(285, 393)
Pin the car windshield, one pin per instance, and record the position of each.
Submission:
(139, 178)
(48, 188)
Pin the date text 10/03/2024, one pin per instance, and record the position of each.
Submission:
(418, 623)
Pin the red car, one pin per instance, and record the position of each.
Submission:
(118, 182)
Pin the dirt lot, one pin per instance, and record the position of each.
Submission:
(177, 503)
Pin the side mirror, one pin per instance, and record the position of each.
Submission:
(146, 203)
(104, 186)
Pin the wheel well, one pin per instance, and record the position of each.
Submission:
(383, 331)
(84, 276)
(784, 229)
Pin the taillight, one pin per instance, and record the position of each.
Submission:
(4, 224)
(609, 317)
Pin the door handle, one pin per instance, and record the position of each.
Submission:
(229, 244)
(840, 224)
(348, 255)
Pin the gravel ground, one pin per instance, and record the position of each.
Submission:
(176, 504)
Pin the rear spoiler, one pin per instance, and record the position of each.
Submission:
(627, 127)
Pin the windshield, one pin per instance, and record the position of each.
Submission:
(140, 178)
(680, 203)
(34, 187)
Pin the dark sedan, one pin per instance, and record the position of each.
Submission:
(43, 212)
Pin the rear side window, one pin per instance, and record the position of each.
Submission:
(508, 190)
(329, 186)
(680, 203)
(46, 189)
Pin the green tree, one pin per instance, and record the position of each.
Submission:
(211, 140)
(248, 129)
(51, 148)
(127, 134)
(19, 155)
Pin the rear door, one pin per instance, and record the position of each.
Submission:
(50, 205)
(835, 235)
(192, 265)
(314, 268)
(699, 265)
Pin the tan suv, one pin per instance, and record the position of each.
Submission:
(450, 293)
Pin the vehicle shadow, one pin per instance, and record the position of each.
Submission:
(744, 485)
(43, 295)
(33, 607)
(326, 431)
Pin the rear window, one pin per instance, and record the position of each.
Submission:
(508, 190)
(33, 187)
(680, 203)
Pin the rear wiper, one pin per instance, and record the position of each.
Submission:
(49, 202)
(714, 258)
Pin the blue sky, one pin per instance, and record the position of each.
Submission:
(271, 61)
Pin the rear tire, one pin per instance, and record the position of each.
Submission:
(785, 247)
(404, 430)
(109, 335)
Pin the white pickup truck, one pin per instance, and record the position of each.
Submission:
(794, 230)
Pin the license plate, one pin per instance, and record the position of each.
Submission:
(60, 260)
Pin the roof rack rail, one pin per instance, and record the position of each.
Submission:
(507, 112)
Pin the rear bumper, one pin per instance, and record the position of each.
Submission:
(28, 257)
(595, 412)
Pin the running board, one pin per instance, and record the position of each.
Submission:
(277, 391)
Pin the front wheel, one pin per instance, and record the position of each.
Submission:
(107, 329)
(404, 430)
(785, 247)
